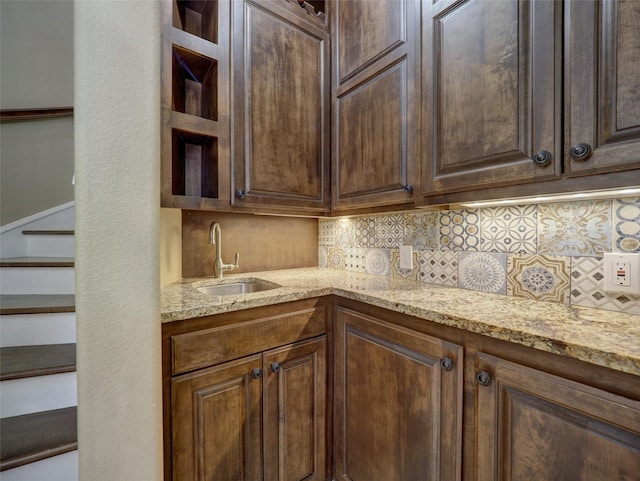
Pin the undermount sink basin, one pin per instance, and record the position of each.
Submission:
(237, 287)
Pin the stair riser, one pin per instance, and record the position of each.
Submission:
(37, 280)
(50, 246)
(36, 329)
(35, 394)
(58, 468)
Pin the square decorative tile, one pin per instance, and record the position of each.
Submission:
(543, 278)
(626, 222)
(483, 271)
(327, 232)
(390, 230)
(574, 228)
(377, 261)
(459, 230)
(439, 267)
(345, 233)
(587, 288)
(365, 231)
(354, 259)
(396, 271)
(323, 259)
(421, 230)
(335, 257)
(509, 229)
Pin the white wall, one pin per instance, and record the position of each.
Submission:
(117, 146)
(36, 157)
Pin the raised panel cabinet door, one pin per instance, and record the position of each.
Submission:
(398, 403)
(295, 412)
(216, 422)
(602, 78)
(281, 108)
(491, 93)
(533, 425)
(375, 91)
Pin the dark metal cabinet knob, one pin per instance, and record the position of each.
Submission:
(241, 194)
(542, 157)
(446, 363)
(408, 189)
(256, 373)
(483, 378)
(580, 152)
(275, 367)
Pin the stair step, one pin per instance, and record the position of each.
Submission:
(36, 329)
(28, 361)
(36, 303)
(32, 437)
(37, 262)
(48, 232)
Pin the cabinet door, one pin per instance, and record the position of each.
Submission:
(295, 412)
(398, 410)
(216, 423)
(602, 79)
(374, 97)
(532, 425)
(281, 108)
(491, 93)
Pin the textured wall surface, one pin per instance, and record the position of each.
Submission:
(547, 252)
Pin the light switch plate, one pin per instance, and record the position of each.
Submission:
(622, 273)
(406, 257)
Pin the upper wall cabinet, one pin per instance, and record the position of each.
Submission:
(374, 103)
(195, 104)
(281, 110)
(602, 81)
(491, 93)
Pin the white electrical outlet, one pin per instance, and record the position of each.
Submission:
(406, 257)
(622, 273)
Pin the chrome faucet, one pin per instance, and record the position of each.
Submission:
(215, 238)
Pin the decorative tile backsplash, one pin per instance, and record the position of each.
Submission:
(546, 252)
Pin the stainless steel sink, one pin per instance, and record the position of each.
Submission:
(235, 287)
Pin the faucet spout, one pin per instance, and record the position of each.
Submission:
(215, 238)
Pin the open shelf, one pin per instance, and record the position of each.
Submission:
(194, 84)
(194, 165)
(197, 17)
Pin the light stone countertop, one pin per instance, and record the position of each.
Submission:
(596, 336)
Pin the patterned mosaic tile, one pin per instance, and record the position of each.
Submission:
(390, 230)
(574, 228)
(483, 271)
(394, 267)
(587, 288)
(543, 278)
(345, 233)
(354, 259)
(365, 231)
(626, 221)
(377, 261)
(327, 232)
(459, 230)
(422, 230)
(323, 259)
(335, 257)
(439, 267)
(509, 229)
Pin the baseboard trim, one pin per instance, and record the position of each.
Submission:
(40, 215)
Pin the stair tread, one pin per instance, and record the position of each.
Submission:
(18, 362)
(48, 232)
(36, 303)
(33, 437)
(37, 262)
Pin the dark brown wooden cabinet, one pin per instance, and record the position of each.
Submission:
(398, 403)
(281, 119)
(533, 425)
(374, 97)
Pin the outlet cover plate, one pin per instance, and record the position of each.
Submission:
(620, 269)
(406, 257)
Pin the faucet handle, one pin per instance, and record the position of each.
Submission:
(235, 265)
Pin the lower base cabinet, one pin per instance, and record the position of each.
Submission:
(535, 426)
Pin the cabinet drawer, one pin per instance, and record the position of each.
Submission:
(207, 347)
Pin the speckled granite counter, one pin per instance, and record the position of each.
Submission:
(596, 336)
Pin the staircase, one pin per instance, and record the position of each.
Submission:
(38, 386)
